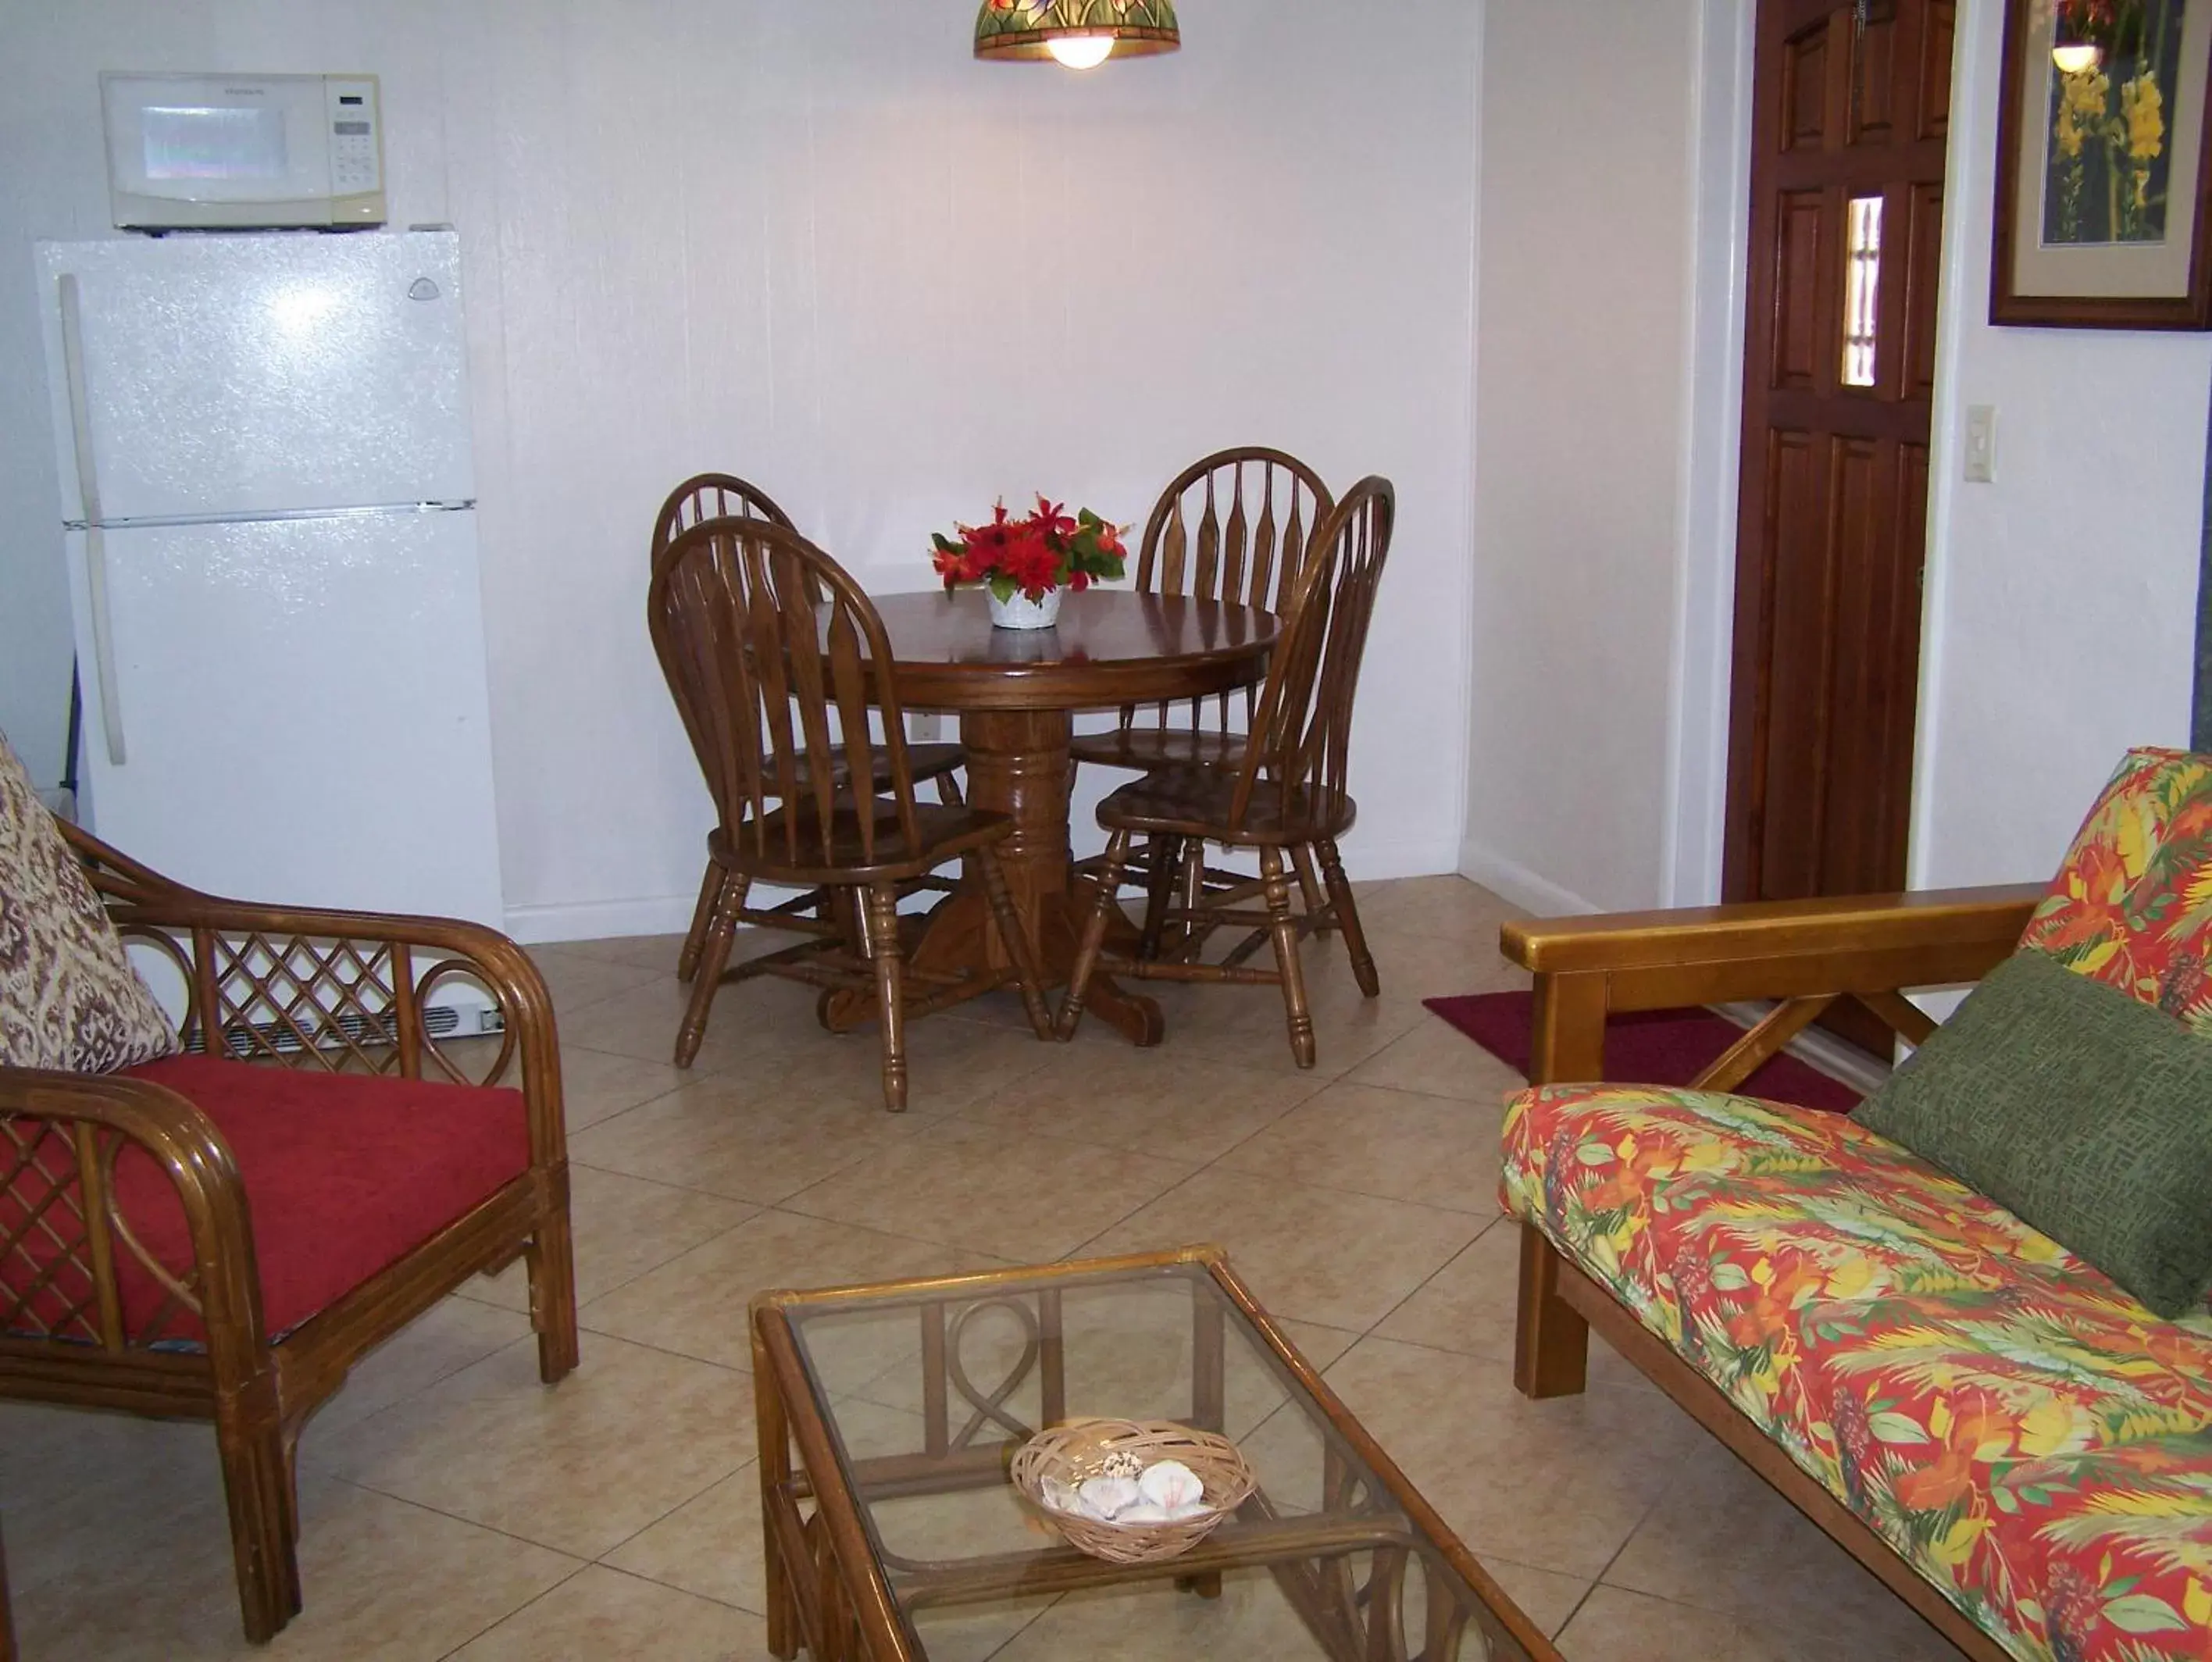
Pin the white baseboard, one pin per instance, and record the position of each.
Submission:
(603, 920)
(1377, 861)
(671, 914)
(599, 920)
(1515, 884)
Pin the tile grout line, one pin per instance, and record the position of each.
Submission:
(581, 1560)
(582, 1566)
(1375, 1332)
(1599, 1580)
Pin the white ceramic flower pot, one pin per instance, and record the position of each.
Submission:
(1024, 613)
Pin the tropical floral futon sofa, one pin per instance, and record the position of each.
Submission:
(2013, 1435)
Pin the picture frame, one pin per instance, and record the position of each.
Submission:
(2104, 189)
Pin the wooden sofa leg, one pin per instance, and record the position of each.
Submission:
(1551, 1340)
(551, 1263)
(251, 1444)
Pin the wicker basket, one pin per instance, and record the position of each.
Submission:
(1079, 1450)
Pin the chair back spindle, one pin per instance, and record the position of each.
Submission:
(1236, 526)
(713, 496)
(778, 689)
(1301, 743)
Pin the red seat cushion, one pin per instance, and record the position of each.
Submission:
(344, 1175)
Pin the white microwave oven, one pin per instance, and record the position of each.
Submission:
(243, 151)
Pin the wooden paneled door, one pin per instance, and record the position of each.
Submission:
(1852, 105)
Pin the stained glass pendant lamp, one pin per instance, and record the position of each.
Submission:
(1079, 34)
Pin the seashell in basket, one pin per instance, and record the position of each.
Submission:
(1074, 1475)
(1173, 1487)
(1105, 1498)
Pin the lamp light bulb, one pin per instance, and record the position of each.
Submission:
(1080, 51)
(2076, 57)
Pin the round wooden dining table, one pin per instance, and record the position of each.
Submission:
(1015, 692)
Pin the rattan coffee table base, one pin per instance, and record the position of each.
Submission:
(1371, 1572)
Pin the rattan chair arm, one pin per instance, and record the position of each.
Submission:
(504, 968)
(1941, 922)
(199, 1165)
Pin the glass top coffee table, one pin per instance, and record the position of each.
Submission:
(887, 1415)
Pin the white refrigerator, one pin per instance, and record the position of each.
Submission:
(269, 512)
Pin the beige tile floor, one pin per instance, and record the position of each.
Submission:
(453, 1507)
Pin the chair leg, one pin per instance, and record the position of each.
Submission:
(550, 1263)
(1347, 919)
(7, 1621)
(292, 1482)
(710, 885)
(1551, 1338)
(1283, 925)
(948, 792)
(714, 957)
(1159, 886)
(1309, 885)
(1027, 975)
(1094, 935)
(1191, 937)
(882, 915)
(251, 1444)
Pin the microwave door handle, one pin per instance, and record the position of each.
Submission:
(95, 539)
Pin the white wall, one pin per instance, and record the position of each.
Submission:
(1589, 201)
(2062, 600)
(885, 281)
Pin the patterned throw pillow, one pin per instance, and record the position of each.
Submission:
(2132, 905)
(2073, 1087)
(69, 998)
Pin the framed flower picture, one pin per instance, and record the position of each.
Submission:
(2104, 202)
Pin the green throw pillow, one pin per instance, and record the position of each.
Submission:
(2085, 1112)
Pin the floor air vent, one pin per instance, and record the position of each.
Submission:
(242, 1039)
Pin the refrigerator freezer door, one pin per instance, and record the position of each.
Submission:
(237, 375)
(305, 712)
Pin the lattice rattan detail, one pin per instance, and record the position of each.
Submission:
(47, 1283)
(341, 1006)
(57, 1253)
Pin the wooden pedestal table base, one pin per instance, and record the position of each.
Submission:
(1018, 764)
(1015, 691)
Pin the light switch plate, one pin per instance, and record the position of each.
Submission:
(1981, 444)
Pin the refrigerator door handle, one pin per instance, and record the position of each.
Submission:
(95, 541)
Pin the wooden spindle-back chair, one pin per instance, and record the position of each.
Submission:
(801, 736)
(723, 495)
(1237, 526)
(1290, 789)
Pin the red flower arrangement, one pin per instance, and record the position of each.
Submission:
(1033, 555)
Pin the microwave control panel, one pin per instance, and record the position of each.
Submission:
(357, 151)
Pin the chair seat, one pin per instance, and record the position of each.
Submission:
(1143, 749)
(945, 833)
(1195, 801)
(925, 762)
(344, 1175)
